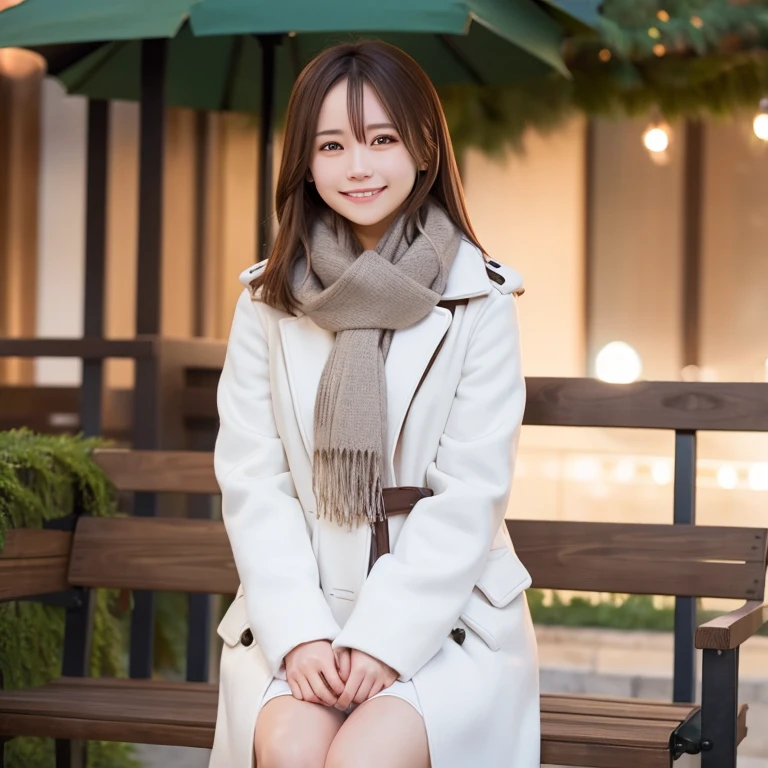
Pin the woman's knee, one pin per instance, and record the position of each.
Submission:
(294, 734)
(365, 739)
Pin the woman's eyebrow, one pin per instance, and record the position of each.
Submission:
(371, 127)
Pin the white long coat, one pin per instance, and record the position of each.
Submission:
(452, 563)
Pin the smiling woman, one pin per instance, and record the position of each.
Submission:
(366, 139)
(372, 641)
(364, 178)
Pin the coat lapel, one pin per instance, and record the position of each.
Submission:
(307, 347)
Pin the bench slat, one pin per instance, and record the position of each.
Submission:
(184, 714)
(158, 553)
(586, 402)
(34, 562)
(159, 471)
(643, 559)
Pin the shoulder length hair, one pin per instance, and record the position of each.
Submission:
(411, 102)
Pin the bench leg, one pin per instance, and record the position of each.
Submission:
(71, 753)
(719, 708)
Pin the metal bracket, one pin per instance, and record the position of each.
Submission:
(686, 738)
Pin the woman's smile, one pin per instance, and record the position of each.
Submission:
(364, 195)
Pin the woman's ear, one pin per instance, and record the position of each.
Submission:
(309, 177)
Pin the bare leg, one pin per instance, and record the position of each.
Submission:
(366, 738)
(295, 734)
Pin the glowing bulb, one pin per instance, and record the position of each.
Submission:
(585, 469)
(618, 363)
(604, 55)
(661, 472)
(662, 16)
(625, 471)
(758, 477)
(727, 477)
(656, 138)
(760, 123)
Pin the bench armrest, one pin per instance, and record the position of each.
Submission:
(730, 630)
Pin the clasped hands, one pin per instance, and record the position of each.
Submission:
(319, 674)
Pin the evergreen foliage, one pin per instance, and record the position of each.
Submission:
(682, 58)
(43, 477)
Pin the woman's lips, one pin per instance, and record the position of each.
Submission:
(364, 197)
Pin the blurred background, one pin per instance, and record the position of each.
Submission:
(624, 173)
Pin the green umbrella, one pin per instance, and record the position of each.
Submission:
(214, 59)
(224, 54)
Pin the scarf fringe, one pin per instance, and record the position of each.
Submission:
(347, 485)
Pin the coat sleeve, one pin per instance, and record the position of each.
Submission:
(412, 597)
(262, 515)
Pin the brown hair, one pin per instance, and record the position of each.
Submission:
(409, 98)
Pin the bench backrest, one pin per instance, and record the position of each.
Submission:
(194, 555)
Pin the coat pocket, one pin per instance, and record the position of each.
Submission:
(233, 628)
(502, 580)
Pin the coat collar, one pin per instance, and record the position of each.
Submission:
(467, 277)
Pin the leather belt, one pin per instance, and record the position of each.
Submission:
(399, 500)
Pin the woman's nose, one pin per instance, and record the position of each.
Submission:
(359, 167)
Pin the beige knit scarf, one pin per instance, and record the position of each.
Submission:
(364, 297)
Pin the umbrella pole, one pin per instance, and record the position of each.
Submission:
(95, 261)
(146, 391)
(264, 205)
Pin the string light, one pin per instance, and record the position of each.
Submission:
(618, 363)
(760, 123)
(659, 49)
(604, 55)
(662, 16)
(654, 33)
(656, 137)
(727, 477)
(697, 22)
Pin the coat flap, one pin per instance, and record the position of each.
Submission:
(504, 577)
(235, 620)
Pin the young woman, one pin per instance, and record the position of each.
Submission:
(376, 350)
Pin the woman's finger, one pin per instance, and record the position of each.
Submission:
(344, 663)
(376, 688)
(332, 679)
(350, 689)
(321, 690)
(307, 693)
(295, 689)
(364, 691)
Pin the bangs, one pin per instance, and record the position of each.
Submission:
(355, 82)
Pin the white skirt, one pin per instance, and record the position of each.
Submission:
(405, 691)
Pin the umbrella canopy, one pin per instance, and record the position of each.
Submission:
(214, 58)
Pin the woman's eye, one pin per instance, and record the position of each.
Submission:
(388, 139)
(331, 146)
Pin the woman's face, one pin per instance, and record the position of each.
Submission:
(363, 181)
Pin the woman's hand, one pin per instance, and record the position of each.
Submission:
(367, 677)
(307, 669)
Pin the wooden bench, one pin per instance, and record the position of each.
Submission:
(141, 553)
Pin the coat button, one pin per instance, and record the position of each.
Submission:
(458, 635)
(247, 637)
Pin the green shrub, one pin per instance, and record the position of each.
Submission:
(43, 477)
(611, 612)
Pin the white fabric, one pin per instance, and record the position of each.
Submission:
(404, 691)
(452, 563)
